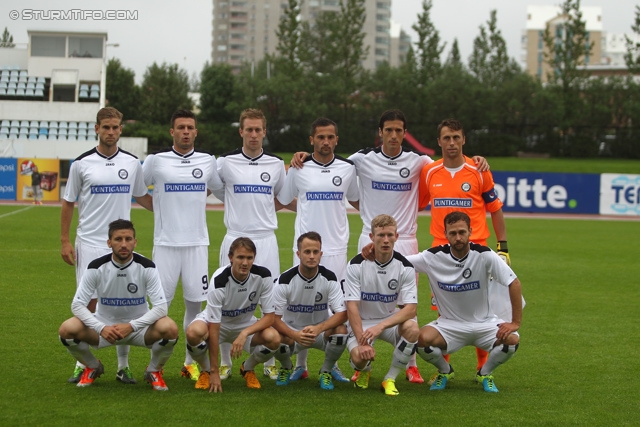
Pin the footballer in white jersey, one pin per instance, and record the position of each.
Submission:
(460, 274)
(303, 297)
(389, 184)
(252, 178)
(250, 184)
(180, 183)
(322, 189)
(301, 301)
(182, 178)
(229, 317)
(103, 181)
(103, 187)
(461, 286)
(123, 280)
(232, 302)
(372, 290)
(250, 187)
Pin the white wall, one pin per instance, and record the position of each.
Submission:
(43, 110)
(64, 150)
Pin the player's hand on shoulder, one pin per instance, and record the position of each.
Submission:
(481, 163)
(368, 252)
(298, 159)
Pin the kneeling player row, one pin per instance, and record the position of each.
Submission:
(295, 313)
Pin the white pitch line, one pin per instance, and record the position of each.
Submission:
(15, 212)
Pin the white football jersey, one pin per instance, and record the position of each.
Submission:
(379, 286)
(103, 187)
(122, 293)
(322, 190)
(232, 303)
(389, 185)
(461, 286)
(302, 302)
(180, 184)
(250, 188)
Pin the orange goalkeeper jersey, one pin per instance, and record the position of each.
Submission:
(468, 191)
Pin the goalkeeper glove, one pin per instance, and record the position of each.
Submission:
(503, 252)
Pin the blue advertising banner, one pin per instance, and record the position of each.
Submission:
(8, 178)
(548, 192)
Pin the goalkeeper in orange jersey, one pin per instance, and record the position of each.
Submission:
(454, 183)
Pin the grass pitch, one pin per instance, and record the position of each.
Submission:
(577, 363)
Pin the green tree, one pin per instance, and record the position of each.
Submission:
(454, 59)
(334, 67)
(632, 57)
(7, 39)
(165, 88)
(568, 47)
(428, 47)
(121, 91)
(217, 94)
(289, 35)
(489, 61)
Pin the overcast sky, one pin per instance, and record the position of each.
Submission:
(180, 31)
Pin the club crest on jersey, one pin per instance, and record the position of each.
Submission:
(123, 174)
(265, 177)
(252, 295)
(466, 187)
(404, 172)
(466, 273)
(132, 287)
(318, 297)
(337, 181)
(197, 173)
(393, 284)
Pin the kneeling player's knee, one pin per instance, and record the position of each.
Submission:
(69, 328)
(512, 339)
(167, 328)
(271, 338)
(411, 332)
(196, 333)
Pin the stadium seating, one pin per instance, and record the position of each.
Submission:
(17, 85)
(47, 131)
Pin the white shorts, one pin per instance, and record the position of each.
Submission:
(336, 263)
(405, 245)
(267, 251)
(460, 334)
(84, 255)
(134, 338)
(189, 262)
(390, 335)
(229, 335)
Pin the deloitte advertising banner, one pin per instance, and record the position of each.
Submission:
(549, 192)
(7, 178)
(619, 194)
